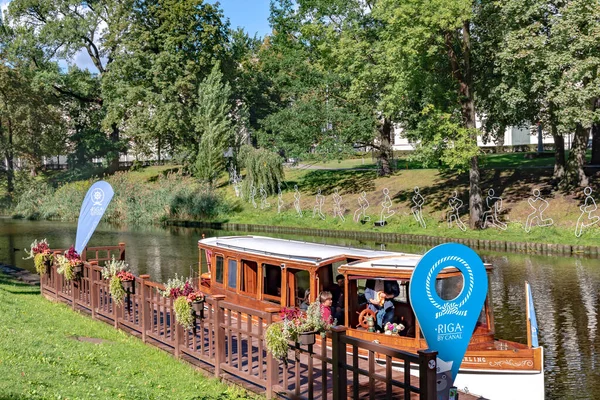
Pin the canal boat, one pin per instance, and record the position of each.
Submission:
(263, 272)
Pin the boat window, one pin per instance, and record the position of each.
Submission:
(249, 277)
(204, 263)
(272, 282)
(232, 274)
(302, 284)
(219, 270)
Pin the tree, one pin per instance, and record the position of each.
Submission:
(213, 127)
(321, 62)
(434, 92)
(30, 123)
(48, 30)
(166, 49)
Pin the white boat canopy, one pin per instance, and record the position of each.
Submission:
(291, 249)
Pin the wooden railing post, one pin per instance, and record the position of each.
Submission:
(75, 290)
(338, 359)
(427, 374)
(272, 363)
(178, 330)
(93, 288)
(122, 251)
(218, 321)
(145, 310)
(55, 274)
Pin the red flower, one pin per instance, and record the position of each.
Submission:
(125, 276)
(72, 255)
(195, 296)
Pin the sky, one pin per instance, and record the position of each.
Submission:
(251, 15)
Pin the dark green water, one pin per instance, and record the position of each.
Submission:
(565, 290)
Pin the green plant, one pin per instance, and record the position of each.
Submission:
(294, 322)
(183, 312)
(41, 254)
(116, 271)
(65, 267)
(277, 340)
(116, 290)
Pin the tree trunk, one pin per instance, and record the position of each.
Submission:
(595, 144)
(596, 137)
(559, 146)
(113, 163)
(468, 114)
(9, 156)
(559, 154)
(385, 148)
(574, 174)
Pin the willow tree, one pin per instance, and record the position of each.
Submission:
(263, 168)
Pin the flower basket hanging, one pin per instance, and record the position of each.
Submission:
(42, 256)
(121, 281)
(188, 304)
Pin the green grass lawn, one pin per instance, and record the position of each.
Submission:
(40, 357)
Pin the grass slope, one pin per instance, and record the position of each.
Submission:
(40, 358)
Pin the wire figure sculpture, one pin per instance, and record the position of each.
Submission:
(253, 195)
(587, 209)
(337, 205)
(455, 205)
(237, 186)
(363, 204)
(263, 198)
(386, 206)
(417, 209)
(279, 198)
(297, 201)
(539, 205)
(494, 204)
(318, 208)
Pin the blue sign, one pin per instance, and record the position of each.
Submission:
(448, 324)
(532, 319)
(94, 204)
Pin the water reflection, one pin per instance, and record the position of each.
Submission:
(565, 290)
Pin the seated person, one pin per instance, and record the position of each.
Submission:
(337, 291)
(305, 301)
(380, 300)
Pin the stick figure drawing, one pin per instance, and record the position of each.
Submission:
(318, 208)
(363, 204)
(337, 205)
(494, 204)
(297, 201)
(417, 209)
(539, 205)
(454, 214)
(586, 219)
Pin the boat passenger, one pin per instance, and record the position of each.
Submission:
(326, 300)
(304, 301)
(380, 300)
(337, 290)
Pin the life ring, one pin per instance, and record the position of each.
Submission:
(362, 317)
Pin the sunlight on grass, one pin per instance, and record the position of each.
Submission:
(40, 358)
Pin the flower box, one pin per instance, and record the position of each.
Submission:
(128, 286)
(198, 308)
(307, 338)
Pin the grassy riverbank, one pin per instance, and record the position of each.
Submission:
(48, 351)
(157, 194)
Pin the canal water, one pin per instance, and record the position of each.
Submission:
(565, 289)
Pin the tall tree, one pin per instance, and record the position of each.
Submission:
(48, 30)
(167, 48)
(213, 126)
(331, 84)
(432, 49)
